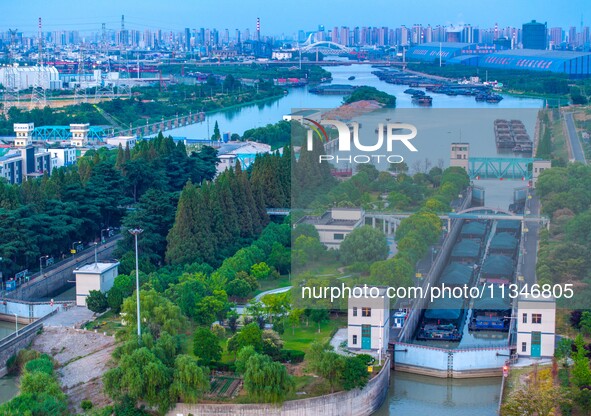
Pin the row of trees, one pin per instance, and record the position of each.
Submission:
(44, 216)
(40, 392)
(566, 197)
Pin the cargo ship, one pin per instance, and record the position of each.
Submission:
(422, 99)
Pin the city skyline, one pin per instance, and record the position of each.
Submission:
(275, 20)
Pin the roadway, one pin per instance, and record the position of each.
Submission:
(577, 152)
(530, 242)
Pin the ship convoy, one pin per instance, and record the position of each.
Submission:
(484, 256)
(511, 134)
(479, 92)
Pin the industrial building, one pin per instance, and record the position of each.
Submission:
(574, 64)
(536, 326)
(535, 35)
(333, 226)
(28, 76)
(429, 52)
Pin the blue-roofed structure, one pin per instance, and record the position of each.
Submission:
(574, 64)
(430, 51)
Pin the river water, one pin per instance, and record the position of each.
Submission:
(8, 385)
(450, 119)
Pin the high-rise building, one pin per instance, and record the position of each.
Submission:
(534, 35)
(556, 36)
(572, 36)
(187, 39)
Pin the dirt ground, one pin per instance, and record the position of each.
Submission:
(83, 357)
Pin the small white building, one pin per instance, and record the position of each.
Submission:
(245, 152)
(95, 276)
(334, 225)
(460, 153)
(63, 156)
(537, 168)
(536, 326)
(24, 134)
(124, 141)
(79, 134)
(368, 320)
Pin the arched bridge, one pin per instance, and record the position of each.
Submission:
(323, 46)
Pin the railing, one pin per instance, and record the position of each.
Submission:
(10, 339)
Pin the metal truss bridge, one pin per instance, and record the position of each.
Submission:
(95, 133)
(500, 168)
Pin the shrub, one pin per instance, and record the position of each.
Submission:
(292, 356)
(86, 405)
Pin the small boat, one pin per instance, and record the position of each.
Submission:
(413, 92)
(351, 78)
(422, 99)
(493, 98)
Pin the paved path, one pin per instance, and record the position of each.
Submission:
(575, 143)
(73, 317)
(241, 308)
(530, 242)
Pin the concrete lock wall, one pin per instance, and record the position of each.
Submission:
(13, 343)
(27, 310)
(347, 403)
(438, 362)
(60, 276)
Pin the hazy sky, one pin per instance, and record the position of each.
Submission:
(283, 17)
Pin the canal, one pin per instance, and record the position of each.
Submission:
(412, 394)
(8, 385)
(450, 119)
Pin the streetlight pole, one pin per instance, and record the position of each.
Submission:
(41, 264)
(16, 323)
(75, 251)
(135, 232)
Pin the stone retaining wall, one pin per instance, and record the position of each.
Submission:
(347, 403)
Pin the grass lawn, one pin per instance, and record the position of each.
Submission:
(269, 284)
(303, 336)
(109, 323)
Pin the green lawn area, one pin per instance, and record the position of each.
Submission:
(269, 284)
(109, 323)
(303, 336)
(324, 268)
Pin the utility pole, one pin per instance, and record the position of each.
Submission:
(135, 232)
(38, 97)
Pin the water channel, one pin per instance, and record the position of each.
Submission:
(450, 119)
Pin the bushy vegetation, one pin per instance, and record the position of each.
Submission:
(371, 93)
(40, 393)
(565, 194)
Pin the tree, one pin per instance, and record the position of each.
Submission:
(266, 381)
(355, 373)
(189, 381)
(206, 346)
(585, 323)
(331, 367)
(319, 316)
(97, 301)
(242, 359)
(581, 373)
(216, 132)
(233, 320)
(158, 315)
(251, 334)
(364, 244)
(141, 376)
(537, 398)
(294, 318)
